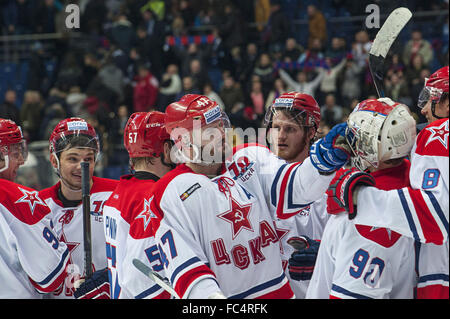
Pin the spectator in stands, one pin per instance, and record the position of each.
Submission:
(313, 56)
(94, 16)
(279, 87)
(210, 93)
(361, 48)
(70, 72)
(38, 78)
(149, 47)
(277, 29)
(317, 25)
(417, 46)
(262, 13)
(302, 85)
(90, 68)
(188, 87)
(350, 81)
(122, 33)
(17, 16)
(198, 74)
(75, 102)
(292, 50)
(397, 88)
(231, 28)
(332, 113)
(231, 95)
(329, 81)
(45, 16)
(250, 59)
(112, 77)
(337, 50)
(146, 88)
(170, 87)
(187, 11)
(30, 114)
(265, 71)
(8, 109)
(258, 100)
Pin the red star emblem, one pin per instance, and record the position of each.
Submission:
(439, 133)
(32, 198)
(281, 232)
(237, 216)
(146, 214)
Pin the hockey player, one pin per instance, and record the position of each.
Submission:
(419, 211)
(216, 236)
(73, 141)
(291, 130)
(358, 261)
(148, 146)
(32, 259)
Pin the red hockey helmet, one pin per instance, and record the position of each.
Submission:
(10, 132)
(145, 134)
(435, 86)
(191, 108)
(300, 105)
(73, 132)
(11, 141)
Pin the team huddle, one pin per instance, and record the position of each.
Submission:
(359, 213)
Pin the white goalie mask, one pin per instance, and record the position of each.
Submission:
(380, 130)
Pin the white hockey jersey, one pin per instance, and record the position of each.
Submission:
(363, 262)
(433, 270)
(310, 221)
(32, 259)
(224, 229)
(130, 200)
(68, 223)
(419, 211)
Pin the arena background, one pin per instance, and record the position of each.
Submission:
(141, 55)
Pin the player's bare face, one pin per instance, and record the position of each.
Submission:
(15, 160)
(70, 165)
(288, 138)
(441, 110)
(207, 143)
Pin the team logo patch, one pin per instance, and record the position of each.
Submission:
(238, 217)
(212, 115)
(146, 214)
(283, 102)
(439, 133)
(77, 126)
(31, 198)
(189, 191)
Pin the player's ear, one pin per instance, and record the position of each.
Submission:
(167, 150)
(53, 160)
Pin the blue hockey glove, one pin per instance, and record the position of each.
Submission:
(331, 152)
(95, 287)
(303, 259)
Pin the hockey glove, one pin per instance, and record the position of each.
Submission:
(331, 152)
(303, 259)
(95, 287)
(340, 191)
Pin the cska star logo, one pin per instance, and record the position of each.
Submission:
(146, 214)
(439, 133)
(30, 197)
(237, 216)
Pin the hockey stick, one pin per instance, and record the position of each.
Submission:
(384, 39)
(86, 202)
(160, 281)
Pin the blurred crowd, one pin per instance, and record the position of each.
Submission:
(141, 55)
